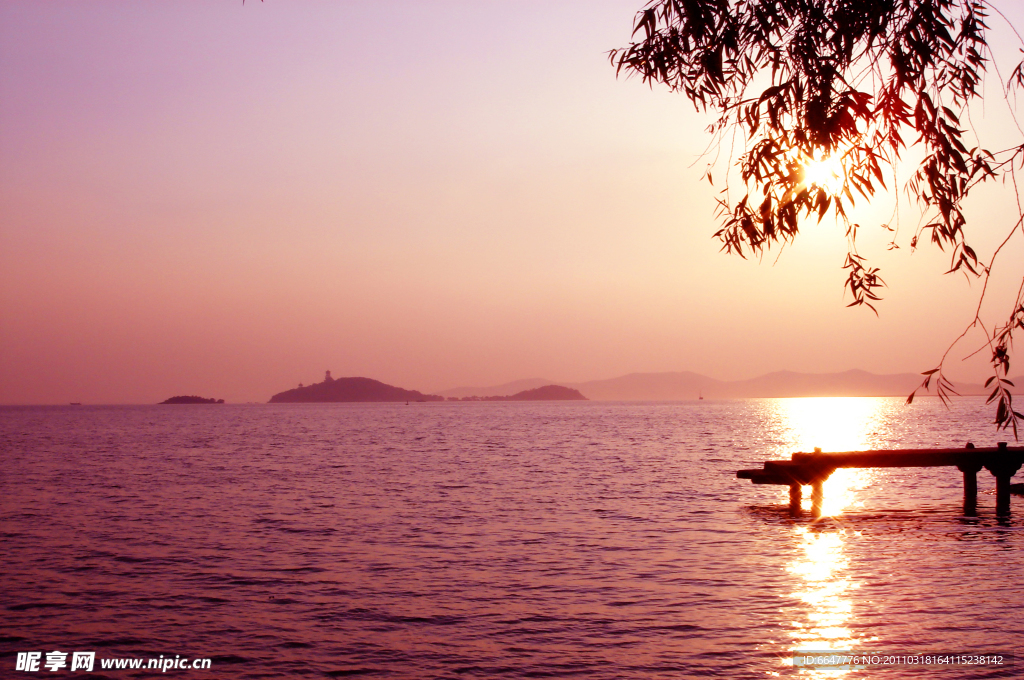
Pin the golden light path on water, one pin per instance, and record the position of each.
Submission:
(821, 565)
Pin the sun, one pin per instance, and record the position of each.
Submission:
(824, 173)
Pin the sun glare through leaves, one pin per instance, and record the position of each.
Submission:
(824, 173)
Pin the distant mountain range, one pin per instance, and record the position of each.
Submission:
(687, 385)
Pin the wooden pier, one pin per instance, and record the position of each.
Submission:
(814, 468)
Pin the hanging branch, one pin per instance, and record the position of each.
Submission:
(848, 86)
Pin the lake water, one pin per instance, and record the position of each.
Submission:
(506, 540)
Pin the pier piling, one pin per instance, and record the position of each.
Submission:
(795, 498)
(970, 471)
(817, 497)
(1003, 468)
(1003, 495)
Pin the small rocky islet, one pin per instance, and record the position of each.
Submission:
(191, 399)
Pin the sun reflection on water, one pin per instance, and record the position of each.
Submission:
(825, 585)
(820, 564)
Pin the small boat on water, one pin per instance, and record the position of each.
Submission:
(76, 403)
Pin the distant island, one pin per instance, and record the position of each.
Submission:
(349, 390)
(191, 399)
(545, 393)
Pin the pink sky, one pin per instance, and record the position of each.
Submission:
(226, 200)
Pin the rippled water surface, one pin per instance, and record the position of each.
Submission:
(597, 540)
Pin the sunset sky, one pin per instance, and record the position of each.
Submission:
(226, 200)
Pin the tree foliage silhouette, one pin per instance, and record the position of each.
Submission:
(848, 85)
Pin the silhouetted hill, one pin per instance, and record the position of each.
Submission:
(545, 393)
(350, 389)
(549, 393)
(191, 399)
(513, 387)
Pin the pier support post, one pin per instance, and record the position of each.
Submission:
(795, 498)
(817, 496)
(970, 488)
(1003, 494)
(1003, 468)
